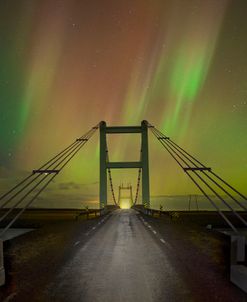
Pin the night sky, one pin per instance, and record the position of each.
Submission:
(67, 64)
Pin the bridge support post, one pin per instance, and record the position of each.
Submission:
(2, 271)
(145, 166)
(103, 170)
(106, 164)
(238, 270)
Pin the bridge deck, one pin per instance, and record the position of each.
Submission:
(127, 257)
(121, 262)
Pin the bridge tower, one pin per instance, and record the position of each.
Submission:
(122, 188)
(105, 164)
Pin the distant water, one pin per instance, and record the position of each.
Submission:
(170, 203)
(193, 202)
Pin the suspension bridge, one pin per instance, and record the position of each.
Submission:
(215, 189)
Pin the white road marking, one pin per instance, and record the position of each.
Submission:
(151, 229)
(10, 297)
(77, 242)
(93, 228)
(166, 243)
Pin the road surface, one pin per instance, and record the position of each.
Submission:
(122, 261)
(122, 257)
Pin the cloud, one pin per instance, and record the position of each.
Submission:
(11, 173)
(74, 186)
(57, 194)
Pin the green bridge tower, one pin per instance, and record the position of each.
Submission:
(105, 164)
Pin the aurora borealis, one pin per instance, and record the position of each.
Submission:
(68, 64)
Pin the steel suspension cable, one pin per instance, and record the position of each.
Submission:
(24, 208)
(35, 178)
(112, 188)
(138, 186)
(66, 155)
(217, 176)
(58, 156)
(30, 191)
(173, 148)
(138, 181)
(41, 189)
(200, 188)
(213, 204)
(84, 136)
(110, 178)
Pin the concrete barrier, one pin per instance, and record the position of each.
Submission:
(238, 271)
(239, 276)
(237, 248)
(2, 271)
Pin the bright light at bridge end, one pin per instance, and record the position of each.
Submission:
(125, 203)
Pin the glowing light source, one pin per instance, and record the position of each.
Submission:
(125, 203)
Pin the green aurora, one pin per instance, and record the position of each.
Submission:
(181, 65)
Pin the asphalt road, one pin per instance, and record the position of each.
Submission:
(123, 256)
(123, 260)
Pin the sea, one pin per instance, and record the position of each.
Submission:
(164, 202)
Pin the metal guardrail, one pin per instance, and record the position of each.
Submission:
(238, 268)
(154, 212)
(94, 212)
